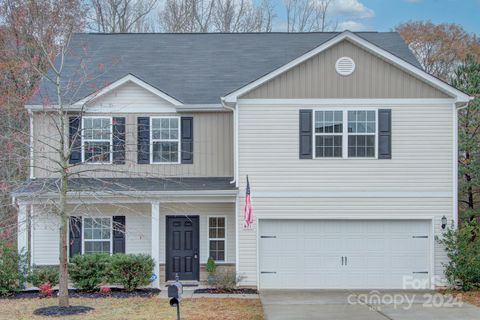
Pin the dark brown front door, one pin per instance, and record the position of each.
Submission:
(183, 248)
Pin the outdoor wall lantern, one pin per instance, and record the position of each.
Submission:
(444, 222)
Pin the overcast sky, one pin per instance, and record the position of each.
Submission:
(383, 15)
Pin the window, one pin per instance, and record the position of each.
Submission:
(97, 235)
(97, 139)
(328, 134)
(165, 137)
(362, 127)
(216, 237)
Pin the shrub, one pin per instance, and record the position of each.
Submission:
(44, 274)
(132, 271)
(226, 279)
(13, 267)
(88, 271)
(211, 266)
(463, 250)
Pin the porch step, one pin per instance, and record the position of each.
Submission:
(185, 283)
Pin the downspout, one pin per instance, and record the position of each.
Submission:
(235, 140)
(235, 180)
(32, 163)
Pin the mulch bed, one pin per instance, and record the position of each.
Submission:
(114, 293)
(56, 311)
(227, 291)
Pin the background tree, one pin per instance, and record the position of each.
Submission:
(23, 25)
(308, 16)
(439, 48)
(112, 16)
(467, 79)
(242, 16)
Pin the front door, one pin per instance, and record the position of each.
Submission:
(182, 248)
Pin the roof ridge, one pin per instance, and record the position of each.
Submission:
(225, 33)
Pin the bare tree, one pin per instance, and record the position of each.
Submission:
(24, 24)
(243, 16)
(216, 15)
(187, 16)
(308, 15)
(120, 15)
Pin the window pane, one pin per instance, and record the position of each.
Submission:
(328, 121)
(217, 249)
(97, 151)
(328, 146)
(165, 152)
(361, 146)
(212, 222)
(87, 233)
(155, 124)
(221, 222)
(212, 233)
(221, 233)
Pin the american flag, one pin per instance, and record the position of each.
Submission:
(247, 211)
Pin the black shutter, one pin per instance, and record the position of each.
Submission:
(75, 138)
(118, 128)
(306, 134)
(119, 234)
(143, 140)
(75, 236)
(385, 134)
(187, 139)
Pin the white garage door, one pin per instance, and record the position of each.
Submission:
(344, 254)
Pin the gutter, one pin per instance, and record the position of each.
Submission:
(234, 109)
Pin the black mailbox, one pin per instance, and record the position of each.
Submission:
(175, 290)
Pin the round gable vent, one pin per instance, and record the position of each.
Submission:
(345, 66)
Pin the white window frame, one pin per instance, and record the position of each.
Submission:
(178, 140)
(345, 132)
(315, 134)
(96, 140)
(217, 239)
(93, 240)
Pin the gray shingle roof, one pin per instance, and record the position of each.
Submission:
(192, 68)
(127, 185)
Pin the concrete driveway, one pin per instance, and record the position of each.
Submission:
(364, 305)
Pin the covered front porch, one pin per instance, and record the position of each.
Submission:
(179, 228)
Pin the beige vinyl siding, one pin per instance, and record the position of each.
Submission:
(422, 142)
(213, 150)
(317, 78)
(338, 209)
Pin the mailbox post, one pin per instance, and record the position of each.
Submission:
(175, 291)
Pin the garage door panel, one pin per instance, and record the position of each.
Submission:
(308, 254)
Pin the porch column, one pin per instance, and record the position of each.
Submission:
(22, 229)
(156, 241)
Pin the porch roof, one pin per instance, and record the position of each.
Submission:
(126, 185)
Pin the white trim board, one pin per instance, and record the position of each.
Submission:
(348, 102)
(350, 194)
(459, 96)
(121, 81)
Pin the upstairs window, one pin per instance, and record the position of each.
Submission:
(97, 139)
(97, 235)
(328, 134)
(362, 130)
(165, 137)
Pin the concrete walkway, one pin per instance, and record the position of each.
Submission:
(364, 305)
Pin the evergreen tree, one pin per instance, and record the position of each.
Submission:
(467, 79)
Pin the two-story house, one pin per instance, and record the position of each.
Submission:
(349, 146)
